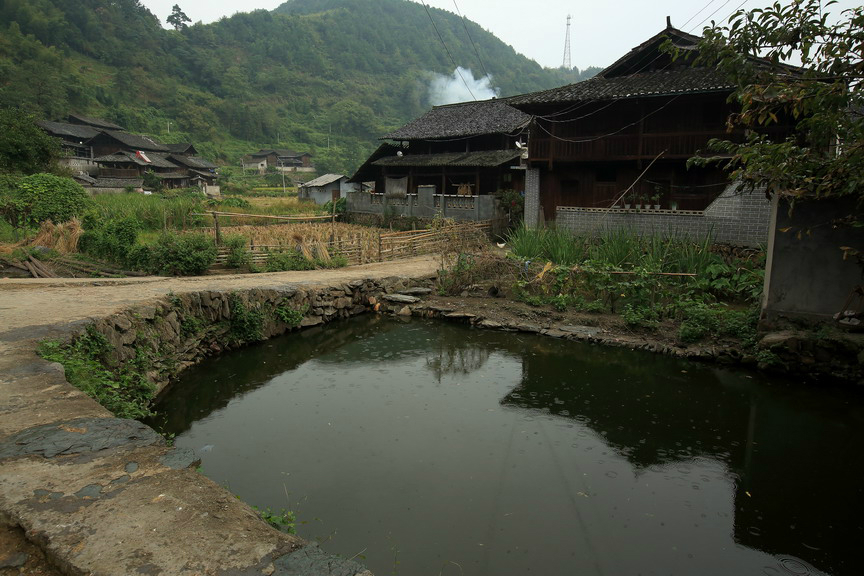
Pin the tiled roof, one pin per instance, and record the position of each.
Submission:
(463, 120)
(95, 122)
(122, 157)
(173, 175)
(683, 80)
(136, 141)
(192, 162)
(484, 158)
(157, 160)
(62, 129)
(182, 148)
(323, 180)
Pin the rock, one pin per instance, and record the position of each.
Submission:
(580, 331)
(460, 315)
(146, 312)
(416, 291)
(400, 298)
(405, 311)
(13, 560)
(490, 324)
(122, 322)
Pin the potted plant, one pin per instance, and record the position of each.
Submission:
(673, 205)
(655, 200)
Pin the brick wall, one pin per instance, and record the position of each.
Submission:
(532, 197)
(734, 218)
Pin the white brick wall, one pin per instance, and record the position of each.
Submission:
(734, 218)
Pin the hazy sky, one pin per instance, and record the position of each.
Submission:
(600, 32)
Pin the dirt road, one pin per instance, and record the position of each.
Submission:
(43, 302)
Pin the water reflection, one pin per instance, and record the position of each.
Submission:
(507, 453)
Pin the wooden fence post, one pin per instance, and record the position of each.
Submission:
(218, 231)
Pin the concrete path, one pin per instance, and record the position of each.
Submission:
(102, 495)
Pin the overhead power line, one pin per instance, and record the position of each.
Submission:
(446, 49)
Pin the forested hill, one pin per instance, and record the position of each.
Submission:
(327, 76)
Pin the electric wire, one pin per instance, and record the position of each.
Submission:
(446, 49)
(476, 52)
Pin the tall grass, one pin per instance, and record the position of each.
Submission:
(155, 212)
(616, 249)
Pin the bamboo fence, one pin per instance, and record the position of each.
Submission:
(357, 244)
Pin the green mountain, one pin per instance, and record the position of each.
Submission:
(327, 76)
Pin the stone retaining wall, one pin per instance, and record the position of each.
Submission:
(180, 330)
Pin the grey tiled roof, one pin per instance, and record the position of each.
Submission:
(192, 162)
(485, 158)
(136, 141)
(323, 180)
(95, 122)
(62, 129)
(463, 120)
(683, 80)
(120, 157)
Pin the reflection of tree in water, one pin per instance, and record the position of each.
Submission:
(456, 358)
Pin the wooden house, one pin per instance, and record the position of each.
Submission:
(279, 159)
(468, 149)
(462, 155)
(112, 141)
(635, 123)
(621, 140)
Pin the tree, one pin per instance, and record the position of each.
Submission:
(825, 155)
(178, 18)
(41, 197)
(24, 147)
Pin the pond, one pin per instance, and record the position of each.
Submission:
(419, 448)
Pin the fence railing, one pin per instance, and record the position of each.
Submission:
(356, 250)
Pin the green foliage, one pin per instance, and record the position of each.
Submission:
(290, 316)
(234, 202)
(700, 320)
(283, 521)
(340, 207)
(456, 278)
(111, 240)
(178, 19)
(288, 260)
(171, 209)
(247, 322)
(641, 277)
(41, 197)
(126, 392)
(238, 255)
(818, 97)
(25, 148)
(306, 76)
(182, 255)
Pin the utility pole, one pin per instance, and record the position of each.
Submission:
(567, 64)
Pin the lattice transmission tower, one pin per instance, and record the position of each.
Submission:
(566, 63)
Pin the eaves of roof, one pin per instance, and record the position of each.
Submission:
(480, 159)
(654, 83)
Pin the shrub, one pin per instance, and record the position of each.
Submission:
(182, 255)
(289, 260)
(125, 392)
(238, 251)
(40, 197)
(112, 240)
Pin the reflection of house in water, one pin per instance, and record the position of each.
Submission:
(796, 466)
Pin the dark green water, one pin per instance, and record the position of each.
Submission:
(426, 448)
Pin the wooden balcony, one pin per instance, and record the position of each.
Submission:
(584, 148)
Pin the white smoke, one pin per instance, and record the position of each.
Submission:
(461, 86)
